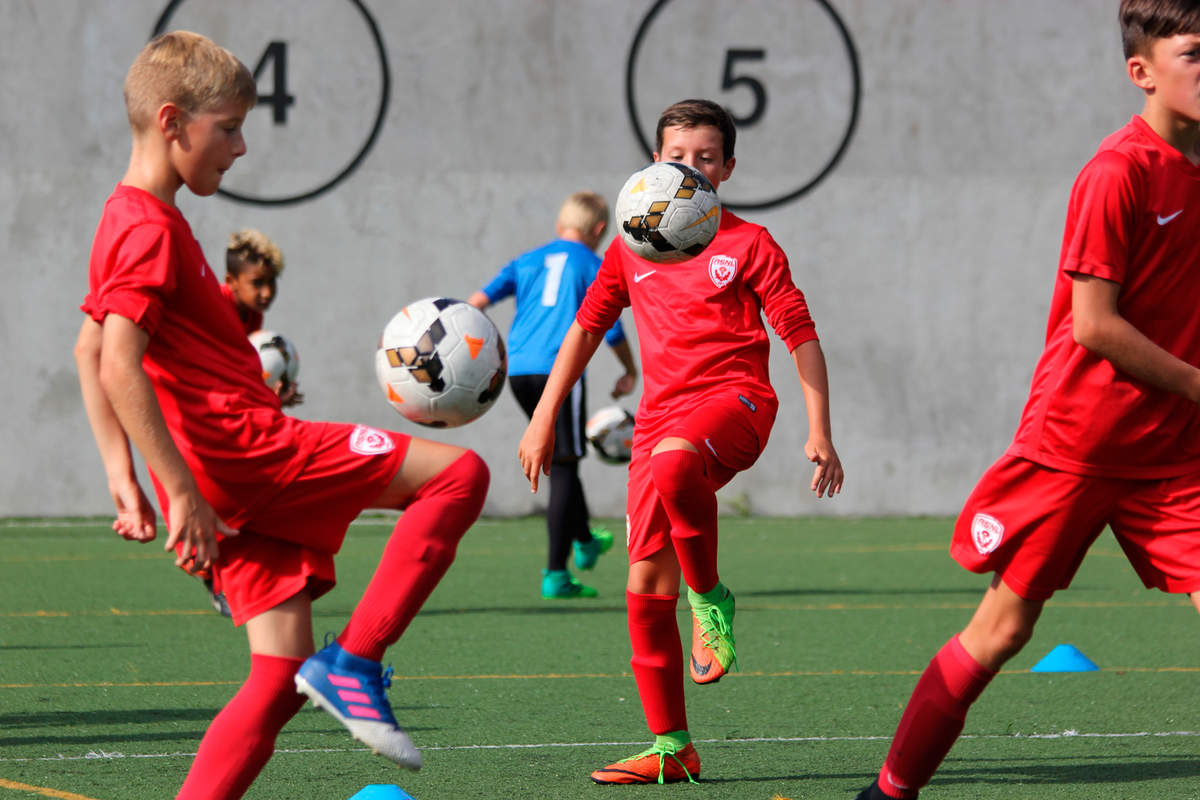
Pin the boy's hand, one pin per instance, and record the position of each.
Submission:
(289, 394)
(192, 532)
(136, 519)
(827, 477)
(535, 451)
(624, 385)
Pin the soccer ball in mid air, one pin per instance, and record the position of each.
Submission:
(279, 358)
(441, 362)
(667, 212)
(610, 430)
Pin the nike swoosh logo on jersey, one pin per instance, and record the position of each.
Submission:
(1164, 220)
(639, 278)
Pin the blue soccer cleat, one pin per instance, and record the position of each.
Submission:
(351, 689)
(587, 552)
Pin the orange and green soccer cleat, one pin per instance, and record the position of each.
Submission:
(662, 763)
(713, 652)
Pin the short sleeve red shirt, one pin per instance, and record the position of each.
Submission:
(148, 267)
(700, 322)
(1132, 218)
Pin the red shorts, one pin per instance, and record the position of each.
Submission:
(288, 544)
(1032, 526)
(730, 432)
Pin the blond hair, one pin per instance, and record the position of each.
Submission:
(189, 70)
(583, 211)
(249, 246)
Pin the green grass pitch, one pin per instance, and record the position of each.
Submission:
(112, 665)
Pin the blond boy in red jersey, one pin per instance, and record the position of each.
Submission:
(262, 499)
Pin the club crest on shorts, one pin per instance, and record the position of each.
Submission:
(986, 533)
(368, 441)
(722, 269)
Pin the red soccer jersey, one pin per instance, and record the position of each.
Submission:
(699, 322)
(1131, 219)
(250, 319)
(148, 267)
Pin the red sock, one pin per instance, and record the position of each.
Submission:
(241, 738)
(657, 660)
(691, 505)
(417, 555)
(933, 719)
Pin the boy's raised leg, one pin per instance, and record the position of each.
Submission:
(691, 505)
(441, 490)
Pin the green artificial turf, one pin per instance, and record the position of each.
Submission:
(112, 665)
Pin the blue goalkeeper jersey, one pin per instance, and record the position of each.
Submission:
(549, 284)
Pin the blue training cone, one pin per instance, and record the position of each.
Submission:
(382, 791)
(1065, 658)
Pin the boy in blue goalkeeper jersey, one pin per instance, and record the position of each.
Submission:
(549, 284)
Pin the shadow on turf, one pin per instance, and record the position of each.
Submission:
(558, 607)
(1100, 769)
(1086, 769)
(69, 721)
(69, 646)
(970, 591)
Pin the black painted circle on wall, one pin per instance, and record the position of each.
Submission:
(733, 64)
(271, 59)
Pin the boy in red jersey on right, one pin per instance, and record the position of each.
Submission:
(1110, 435)
(707, 409)
(261, 498)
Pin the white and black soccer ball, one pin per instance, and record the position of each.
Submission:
(668, 212)
(610, 431)
(441, 362)
(279, 358)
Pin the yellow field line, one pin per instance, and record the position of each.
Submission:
(966, 604)
(158, 556)
(42, 790)
(832, 673)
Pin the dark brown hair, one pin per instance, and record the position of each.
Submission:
(1143, 21)
(693, 114)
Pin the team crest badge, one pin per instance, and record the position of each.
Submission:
(986, 533)
(722, 269)
(368, 441)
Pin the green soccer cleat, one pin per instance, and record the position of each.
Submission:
(713, 651)
(587, 552)
(557, 584)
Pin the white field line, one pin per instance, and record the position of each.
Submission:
(103, 755)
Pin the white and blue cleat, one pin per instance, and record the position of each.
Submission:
(352, 690)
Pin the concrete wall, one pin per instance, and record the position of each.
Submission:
(927, 253)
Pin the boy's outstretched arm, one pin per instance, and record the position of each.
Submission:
(537, 445)
(814, 381)
(192, 523)
(1099, 327)
(135, 515)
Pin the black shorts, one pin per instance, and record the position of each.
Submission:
(572, 416)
